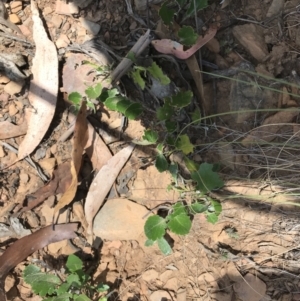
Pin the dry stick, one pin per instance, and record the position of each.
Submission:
(126, 63)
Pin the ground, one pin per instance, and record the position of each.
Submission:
(252, 100)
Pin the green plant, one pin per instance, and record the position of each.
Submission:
(75, 285)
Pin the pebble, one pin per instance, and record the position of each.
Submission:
(47, 10)
(15, 6)
(12, 110)
(14, 87)
(64, 8)
(14, 19)
(90, 26)
(56, 21)
(62, 42)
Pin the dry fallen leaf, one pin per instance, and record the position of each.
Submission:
(103, 182)
(9, 130)
(80, 139)
(167, 46)
(25, 246)
(43, 87)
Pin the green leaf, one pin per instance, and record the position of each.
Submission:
(112, 102)
(212, 218)
(81, 297)
(182, 99)
(216, 205)
(198, 207)
(40, 282)
(131, 56)
(91, 105)
(123, 105)
(75, 98)
(155, 227)
(149, 242)
(187, 35)
(183, 143)
(206, 178)
(190, 164)
(150, 136)
(181, 2)
(200, 4)
(94, 92)
(180, 224)
(137, 78)
(171, 126)
(63, 288)
(157, 73)
(178, 208)
(102, 288)
(133, 111)
(62, 297)
(161, 163)
(173, 169)
(166, 14)
(196, 115)
(160, 148)
(106, 94)
(74, 263)
(165, 112)
(164, 246)
(74, 280)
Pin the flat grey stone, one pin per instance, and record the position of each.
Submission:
(120, 219)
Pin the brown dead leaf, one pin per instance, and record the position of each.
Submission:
(25, 246)
(103, 182)
(80, 138)
(272, 125)
(9, 130)
(43, 87)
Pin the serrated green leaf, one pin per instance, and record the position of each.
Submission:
(74, 280)
(187, 36)
(74, 263)
(112, 102)
(155, 227)
(198, 207)
(196, 115)
(190, 164)
(102, 288)
(166, 14)
(216, 205)
(161, 163)
(75, 98)
(123, 105)
(158, 74)
(137, 78)
(173, 169)
(206, 178)
(165, 112)
(40, 282)
(106, 94)
(164, 246)
(94, 92)
(200, 4)
(91, 105)
(183, 143)
(178, 208)
(149, 242)
(171, 126)
(212, 218)
(133, 111)
(182, 99)
(63, 288)
(81, 297)
(151, 136)
(180, 224)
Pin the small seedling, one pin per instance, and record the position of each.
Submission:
(75, 285)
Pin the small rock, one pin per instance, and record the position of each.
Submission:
(4, 79)
(128, 225)
(19, 104)
(24, 178)
(66, 27)
(14, 19)
(275, 8)
(48, 164)
(172, 284)
(90, 26)
(160, 295)
(25, 30)
(62, 42)
(64, 8)
(9, 282)
(251, 37)
(56, 21)
(48, 10)
(14, 87)
(150, 275)
(12, 110)
(213, 45)
(15, 6)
